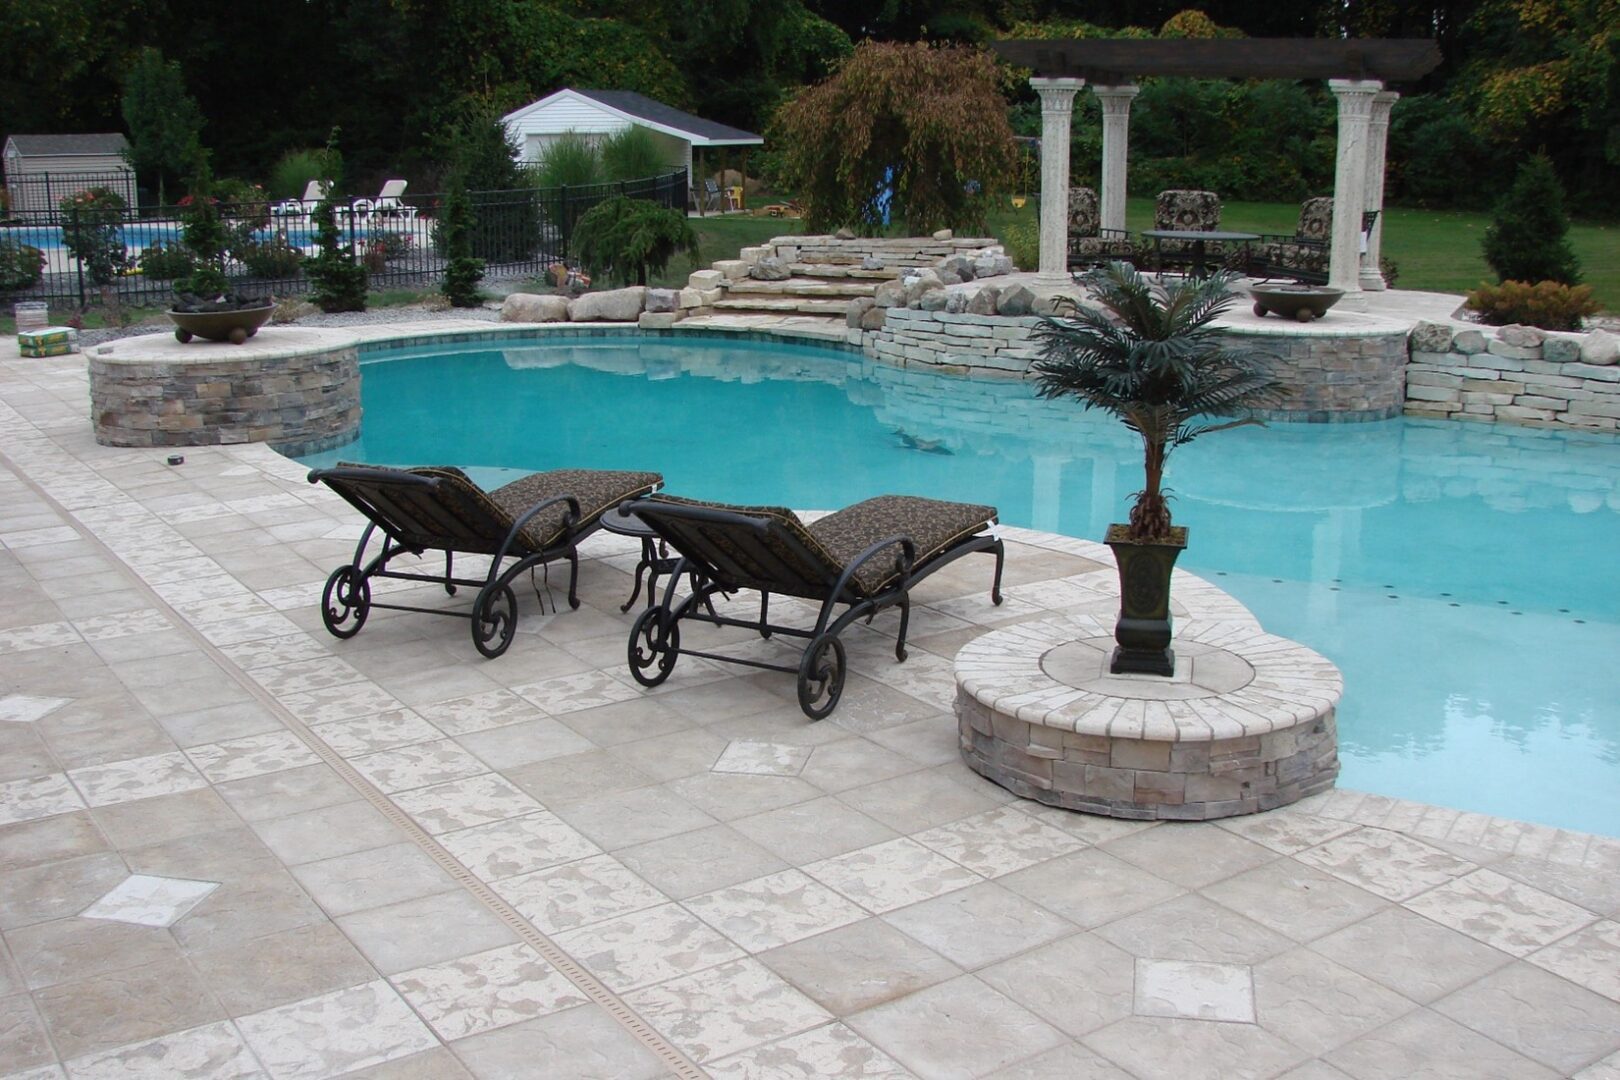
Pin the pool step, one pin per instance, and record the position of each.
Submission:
(783, 305)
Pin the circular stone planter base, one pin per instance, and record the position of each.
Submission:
(1246, 723)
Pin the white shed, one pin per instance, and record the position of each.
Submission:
(42, 169)
(596, 114)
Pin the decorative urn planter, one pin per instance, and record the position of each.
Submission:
(234, 326)
(1300, 302)
(1143, 630)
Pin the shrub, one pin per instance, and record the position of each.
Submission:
(337, 279)
(625, 238)
(1023, 240)
(380, 248)
(21, 266)
(569, 159)
(205, 236)
(462, 272)
(928, 123)
(506, 225)
(632, 154)
(1551, 305)
(1528, 240)
(165, 261)
(90, 231)
(275, 258)
(292, 173)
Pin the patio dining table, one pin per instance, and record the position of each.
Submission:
(1198, 238)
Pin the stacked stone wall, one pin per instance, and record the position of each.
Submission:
(900, 251)
(1516, 374)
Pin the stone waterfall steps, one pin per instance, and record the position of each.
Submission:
(795, 296)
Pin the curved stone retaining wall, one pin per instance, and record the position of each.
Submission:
(1514, 373)
(298, 390)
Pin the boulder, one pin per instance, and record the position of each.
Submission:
(732, 269)
(534, 307)
(871, 262)
(1600, 348)
(983, 302)
(943, 234)
(291, 309)
(1469, 342)
(992, 266)
(752, 255)
(705, 279)
(961, 266)
(956, 303)
(857, 308)
(948, 275)
(917, 285)
(934, 300)
(1561, 350)
(1051, 305)
(615, 305)
(1016, 300)
(846, 233)
(770, 268)
(658, 320)
(662, 300)
(1520, 337)
(1431, 337)
(890, 294)
(689, 298)
(874, 318)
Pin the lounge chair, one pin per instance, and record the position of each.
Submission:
(314, 192)
(389, 202)
(533, 521)
(867, 556)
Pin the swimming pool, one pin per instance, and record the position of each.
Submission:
(144, 234)
(1462, 576)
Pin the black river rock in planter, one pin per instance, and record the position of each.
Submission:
(232, 317)
(1143, 631)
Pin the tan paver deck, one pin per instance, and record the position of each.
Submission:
(232, 846)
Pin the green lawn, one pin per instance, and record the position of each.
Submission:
(721, 237)
(1436, 250)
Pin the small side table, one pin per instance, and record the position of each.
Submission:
(655, 556)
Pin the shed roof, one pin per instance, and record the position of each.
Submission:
(641, 109)
(85, 145)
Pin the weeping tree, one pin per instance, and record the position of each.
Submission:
(918, 129)
(624, 238)
(1151, 357)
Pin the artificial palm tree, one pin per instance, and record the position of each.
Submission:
(1151, 356)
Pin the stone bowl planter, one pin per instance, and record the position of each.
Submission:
(1301, 302)
(232, 326)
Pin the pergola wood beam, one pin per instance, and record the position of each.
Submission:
(1112, 61)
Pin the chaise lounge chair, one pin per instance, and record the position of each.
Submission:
(533, 521)
(314, 192)
(868, 556)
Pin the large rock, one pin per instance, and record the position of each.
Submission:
(1051, 305)
(689, 298)
(992, 266)
(934, 300)
(983, 302)
(857, 308)
(890, 294)
(705, 279)
(615, 305)
(917, 285)
(732, 269)
(1600, 348)
(662, 300)
(948, 275)
(874, 318)
(1560, 349)
(770, 268)
(871, 262)
(846, 233)
(943, 234)
(1431, 337)
(658, 320)
(1016, 300)
(961, 266)
(534, 307)
(1469, 342)
(956, 303)
(1520, 337)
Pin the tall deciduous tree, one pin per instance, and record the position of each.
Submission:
(165, 124)
(923, 125)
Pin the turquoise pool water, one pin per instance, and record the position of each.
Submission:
(144, 234)
(1464, 577)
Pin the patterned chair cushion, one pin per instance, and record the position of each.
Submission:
(1101, 247)
(822, 565)
(932, 525)
(1180, 209)
(1316, 219)
(596, 489)
(1085, 214)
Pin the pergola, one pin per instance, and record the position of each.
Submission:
(1356, 70)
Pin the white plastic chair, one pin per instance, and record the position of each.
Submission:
(314, 192)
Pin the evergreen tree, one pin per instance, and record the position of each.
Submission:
(338, 280)
(1529, 238)
(164, 121)
(462, 272)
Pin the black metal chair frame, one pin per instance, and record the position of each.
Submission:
(1267, 270)
(655, 639)
(494, 610)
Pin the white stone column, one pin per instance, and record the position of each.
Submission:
(1372, 278)
(1350, 180)
(1116, 142)
(1057, 112)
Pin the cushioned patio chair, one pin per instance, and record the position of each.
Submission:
(1304, 255)
(867, 556)
(1194, 211)
(1091, 245)
(532, 521)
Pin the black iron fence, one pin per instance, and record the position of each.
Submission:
(76, 258)
(32, 195)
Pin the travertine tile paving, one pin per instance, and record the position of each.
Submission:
(231, 846)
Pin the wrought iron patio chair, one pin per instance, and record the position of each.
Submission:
(532, 521)
(868, 556)
(1091, 245)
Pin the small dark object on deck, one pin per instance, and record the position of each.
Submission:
(1302, 302)
(177, 459)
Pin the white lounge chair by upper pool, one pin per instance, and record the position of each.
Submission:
(314, 192)
(389, 202)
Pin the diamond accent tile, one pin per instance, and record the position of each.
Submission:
(150, 901)
(25, 709)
